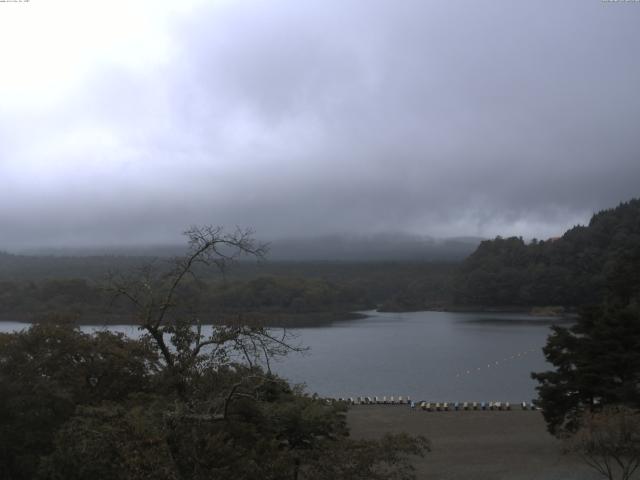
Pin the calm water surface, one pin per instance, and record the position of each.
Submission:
(439, 356)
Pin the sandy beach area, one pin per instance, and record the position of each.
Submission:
(476, 445)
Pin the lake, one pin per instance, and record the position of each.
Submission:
(437, 356)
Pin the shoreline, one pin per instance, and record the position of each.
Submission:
(533, 311)
(295, 320)
(269, 320)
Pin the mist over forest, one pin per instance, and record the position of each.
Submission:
(379, 247)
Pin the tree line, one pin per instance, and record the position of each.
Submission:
(27, 300)
(293, 291)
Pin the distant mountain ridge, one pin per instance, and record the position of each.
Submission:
(380, 247)
(373, 248)
(576, 269)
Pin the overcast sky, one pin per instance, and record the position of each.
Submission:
(126, 122)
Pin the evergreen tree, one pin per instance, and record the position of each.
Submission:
(597, 363)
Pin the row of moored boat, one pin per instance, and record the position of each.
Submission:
(435, 406)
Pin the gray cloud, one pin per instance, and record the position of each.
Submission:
(305, 118)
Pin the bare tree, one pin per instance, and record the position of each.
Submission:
(609, 442)
(176, 329)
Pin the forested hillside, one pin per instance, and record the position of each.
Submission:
(575, 269)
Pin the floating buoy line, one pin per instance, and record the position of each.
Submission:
(495, 363)
(448, 406)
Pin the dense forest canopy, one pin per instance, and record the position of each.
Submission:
(573, 270)
(32, 287)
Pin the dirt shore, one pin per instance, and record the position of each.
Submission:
(476, 445)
